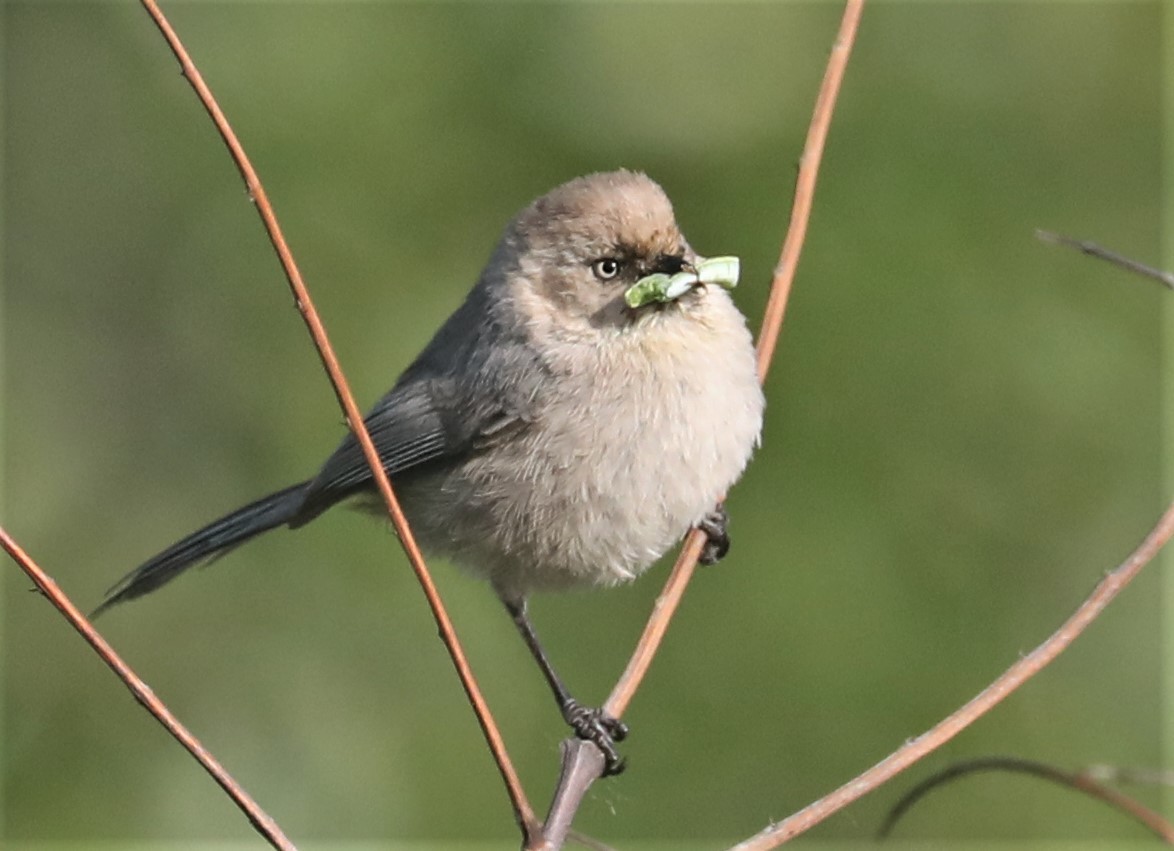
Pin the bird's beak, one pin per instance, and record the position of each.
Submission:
(659, 288)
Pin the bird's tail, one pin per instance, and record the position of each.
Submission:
(215, 539)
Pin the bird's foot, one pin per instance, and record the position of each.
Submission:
(596, 726)
(715, 525)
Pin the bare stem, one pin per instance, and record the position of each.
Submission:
(821, 119)
(1081, 781)
(1015, 676)
(1101, 253)
(522, 810)
(674, 590)
(261, 820)
(666, 604)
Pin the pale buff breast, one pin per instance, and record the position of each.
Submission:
(643, 433)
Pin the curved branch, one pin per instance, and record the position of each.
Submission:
(1081, 781)
(1015, 676)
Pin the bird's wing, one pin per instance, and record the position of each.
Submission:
(407, 429)
(476, 383)
(410, 428)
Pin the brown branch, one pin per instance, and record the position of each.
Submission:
(1081, 781)
(522, 810)
(658, 623)
(1101, 253)
(1015, 676)
(772, 321)
(581, 764)
(1122, 774)
(261, 820)
(780, 286)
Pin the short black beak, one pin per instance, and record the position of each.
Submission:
(670, 264)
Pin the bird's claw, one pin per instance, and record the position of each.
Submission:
(715, 525)
(599, 728)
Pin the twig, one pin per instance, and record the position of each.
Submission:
(987, 699)
(658, 623)
(670, 597)
(261, 820)
(780, 286)
(522, 810)
(1081, 781)
(1094, 250)
(780, 290)
(1122, 774)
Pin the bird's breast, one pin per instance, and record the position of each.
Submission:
(633, 441)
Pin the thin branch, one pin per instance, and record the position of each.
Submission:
(780, 290)
(522, 810)
(1101, 253)
(780, 287)
(261, 820)
(1015, 676)
(1123, 774)
(580, 765)
(1078, 780)
(658, 623)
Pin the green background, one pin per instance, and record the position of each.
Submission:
(963, 429)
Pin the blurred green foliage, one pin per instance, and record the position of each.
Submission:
(963, 429)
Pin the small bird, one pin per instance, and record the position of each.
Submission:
(551, 434)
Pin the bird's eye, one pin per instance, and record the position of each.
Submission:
(606, 268)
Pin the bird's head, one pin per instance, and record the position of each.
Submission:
(577, 250)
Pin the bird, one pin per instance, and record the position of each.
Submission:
(551, 435)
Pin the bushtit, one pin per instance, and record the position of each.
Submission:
(550, 435)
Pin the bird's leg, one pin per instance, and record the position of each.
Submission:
(593, 725)
(715, 525)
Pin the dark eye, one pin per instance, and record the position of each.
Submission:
(606, 268)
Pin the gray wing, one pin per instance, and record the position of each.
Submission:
(475, 382)
(409, 428)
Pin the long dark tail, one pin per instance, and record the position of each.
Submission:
(213, 540)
